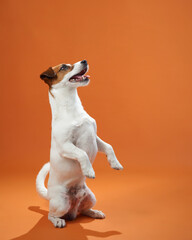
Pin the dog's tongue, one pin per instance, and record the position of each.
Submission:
(80, 77)
(77, 77)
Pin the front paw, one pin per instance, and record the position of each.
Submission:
(115, 164)
(89, 172)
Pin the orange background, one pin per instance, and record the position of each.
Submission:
(139, 54)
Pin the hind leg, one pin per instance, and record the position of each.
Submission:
(93, 213)
(72, 213)
(86, 205)
(58, 207)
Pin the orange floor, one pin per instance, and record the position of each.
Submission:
(139, 205)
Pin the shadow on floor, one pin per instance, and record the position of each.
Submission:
(73, 230)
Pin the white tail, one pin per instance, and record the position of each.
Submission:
(40, 185)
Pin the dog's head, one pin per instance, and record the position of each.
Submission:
(66, 75)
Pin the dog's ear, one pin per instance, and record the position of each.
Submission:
(48, 76)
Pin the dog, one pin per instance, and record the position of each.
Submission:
(74, 145)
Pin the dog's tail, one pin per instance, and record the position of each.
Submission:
(40, 185)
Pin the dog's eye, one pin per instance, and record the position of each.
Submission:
(63, 67)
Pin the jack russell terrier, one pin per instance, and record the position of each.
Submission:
(74, 145)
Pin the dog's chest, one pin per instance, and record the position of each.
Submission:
(84, 135)
(84, 128)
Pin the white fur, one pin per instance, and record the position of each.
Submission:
(40, 186)
(74, 145)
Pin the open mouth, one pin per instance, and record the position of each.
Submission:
(80, 77)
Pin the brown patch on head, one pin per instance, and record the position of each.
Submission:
(48, 76)
(54, 75)
(61, 70)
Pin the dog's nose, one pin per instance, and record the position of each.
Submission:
(84, 62)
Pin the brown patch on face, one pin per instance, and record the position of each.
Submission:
(61, 72)
(54, 75)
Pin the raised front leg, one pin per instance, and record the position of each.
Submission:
(108, 150)
(69, 150)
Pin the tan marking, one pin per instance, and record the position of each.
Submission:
(51, 79)
(48, 76)
(60, 74)
(51, 92)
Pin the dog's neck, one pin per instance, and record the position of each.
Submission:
(64, 102)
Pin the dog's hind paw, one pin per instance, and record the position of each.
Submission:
(94, 214)
(57, 222)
